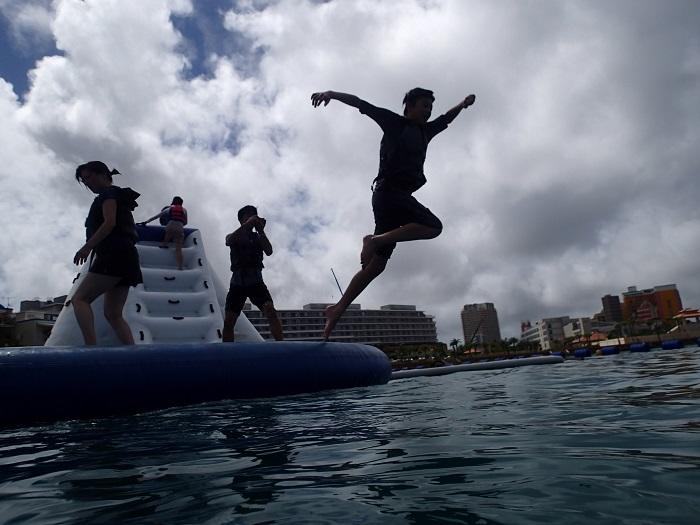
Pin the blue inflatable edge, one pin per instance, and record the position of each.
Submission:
(43, 384)
(155, 233)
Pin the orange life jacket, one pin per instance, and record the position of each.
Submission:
(177, 213)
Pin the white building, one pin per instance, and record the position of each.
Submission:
(34, 321)
(583, 326)
(545, 331)
(391, 323)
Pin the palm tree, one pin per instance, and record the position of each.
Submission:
(454, 343)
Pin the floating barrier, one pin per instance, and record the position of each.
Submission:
(490, 365)
(610, 350)
(672, 344)
(39, 384)
(640, 347)
(581, 353)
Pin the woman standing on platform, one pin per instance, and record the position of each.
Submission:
(111, 238)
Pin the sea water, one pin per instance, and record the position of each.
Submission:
(606, 440)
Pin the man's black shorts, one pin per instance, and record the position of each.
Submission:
(395, 208)
(237, 294)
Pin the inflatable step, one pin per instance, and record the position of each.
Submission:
(156, 257)
(157, 280)
(175, 329)
(169, 304)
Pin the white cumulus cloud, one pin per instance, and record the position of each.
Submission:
(573, 176)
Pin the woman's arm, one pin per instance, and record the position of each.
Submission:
(109, 213)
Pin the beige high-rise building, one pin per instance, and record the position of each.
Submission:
(480, 323)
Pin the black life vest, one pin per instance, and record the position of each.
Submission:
(246, 253)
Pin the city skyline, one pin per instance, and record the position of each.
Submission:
(259, 320)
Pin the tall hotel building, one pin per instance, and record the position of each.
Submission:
(612, 309)
(480, 323)
(391, 323)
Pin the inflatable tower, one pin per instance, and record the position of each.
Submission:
(170, 306)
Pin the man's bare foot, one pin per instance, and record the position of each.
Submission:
(368, 249)
(333, 314)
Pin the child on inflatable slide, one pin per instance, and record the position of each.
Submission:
(174, 218)
(247, 244)
(398, 216)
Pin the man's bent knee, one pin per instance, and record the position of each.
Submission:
(436, 231)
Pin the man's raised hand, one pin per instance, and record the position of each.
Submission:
(321, 97)
(468, 101)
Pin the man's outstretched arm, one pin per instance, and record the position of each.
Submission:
(324, 97)
(452, 114)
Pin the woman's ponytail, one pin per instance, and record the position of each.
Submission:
(95, 166)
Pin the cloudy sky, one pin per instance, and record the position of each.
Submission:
(576, 174)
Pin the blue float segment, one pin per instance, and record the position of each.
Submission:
(610, 350)
(640, 347)
(46, 384)
(672, 344)
(580, 353)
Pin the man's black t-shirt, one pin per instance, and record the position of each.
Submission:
(246, 259)
(403, 147)
(246, 252)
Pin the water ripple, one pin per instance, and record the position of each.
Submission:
(608, 440)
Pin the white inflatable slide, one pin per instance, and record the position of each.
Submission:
(171, 306)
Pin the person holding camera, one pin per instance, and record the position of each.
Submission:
(248, 243)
